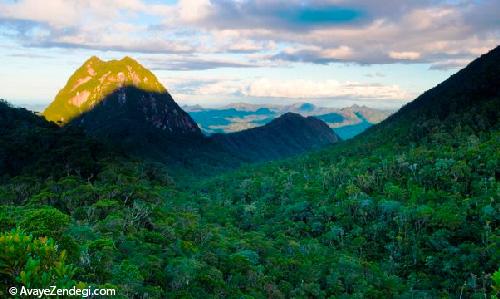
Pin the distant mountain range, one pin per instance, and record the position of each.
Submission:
(346, 122)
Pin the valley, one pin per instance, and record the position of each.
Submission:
(116, 186)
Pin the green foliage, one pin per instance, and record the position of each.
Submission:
(44, 222)
(32, 262)
(327, 224)
(496, 282)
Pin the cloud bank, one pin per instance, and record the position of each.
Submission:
(441, 33)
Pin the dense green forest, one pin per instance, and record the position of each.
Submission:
(408, 209)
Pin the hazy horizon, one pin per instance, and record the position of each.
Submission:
(39, 107)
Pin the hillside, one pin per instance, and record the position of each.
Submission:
(287, 135)
(468, 100)
(31, 145)
(407, 209)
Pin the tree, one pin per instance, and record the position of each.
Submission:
(32, 262)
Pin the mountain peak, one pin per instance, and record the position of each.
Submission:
(96, 79)
(306, 107)
(290, 115)
(93, 59)
(128, 59)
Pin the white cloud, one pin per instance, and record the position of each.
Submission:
(91, 24)
(296, 89)
(193, 10)
(62, 14)
(409, 55)
(57, 13)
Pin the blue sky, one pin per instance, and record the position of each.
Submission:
(213, 52)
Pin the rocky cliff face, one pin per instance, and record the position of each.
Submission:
(130, 109)
(94, 81)
(287, 135)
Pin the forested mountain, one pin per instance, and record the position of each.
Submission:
(287, 135)
(407, 209)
